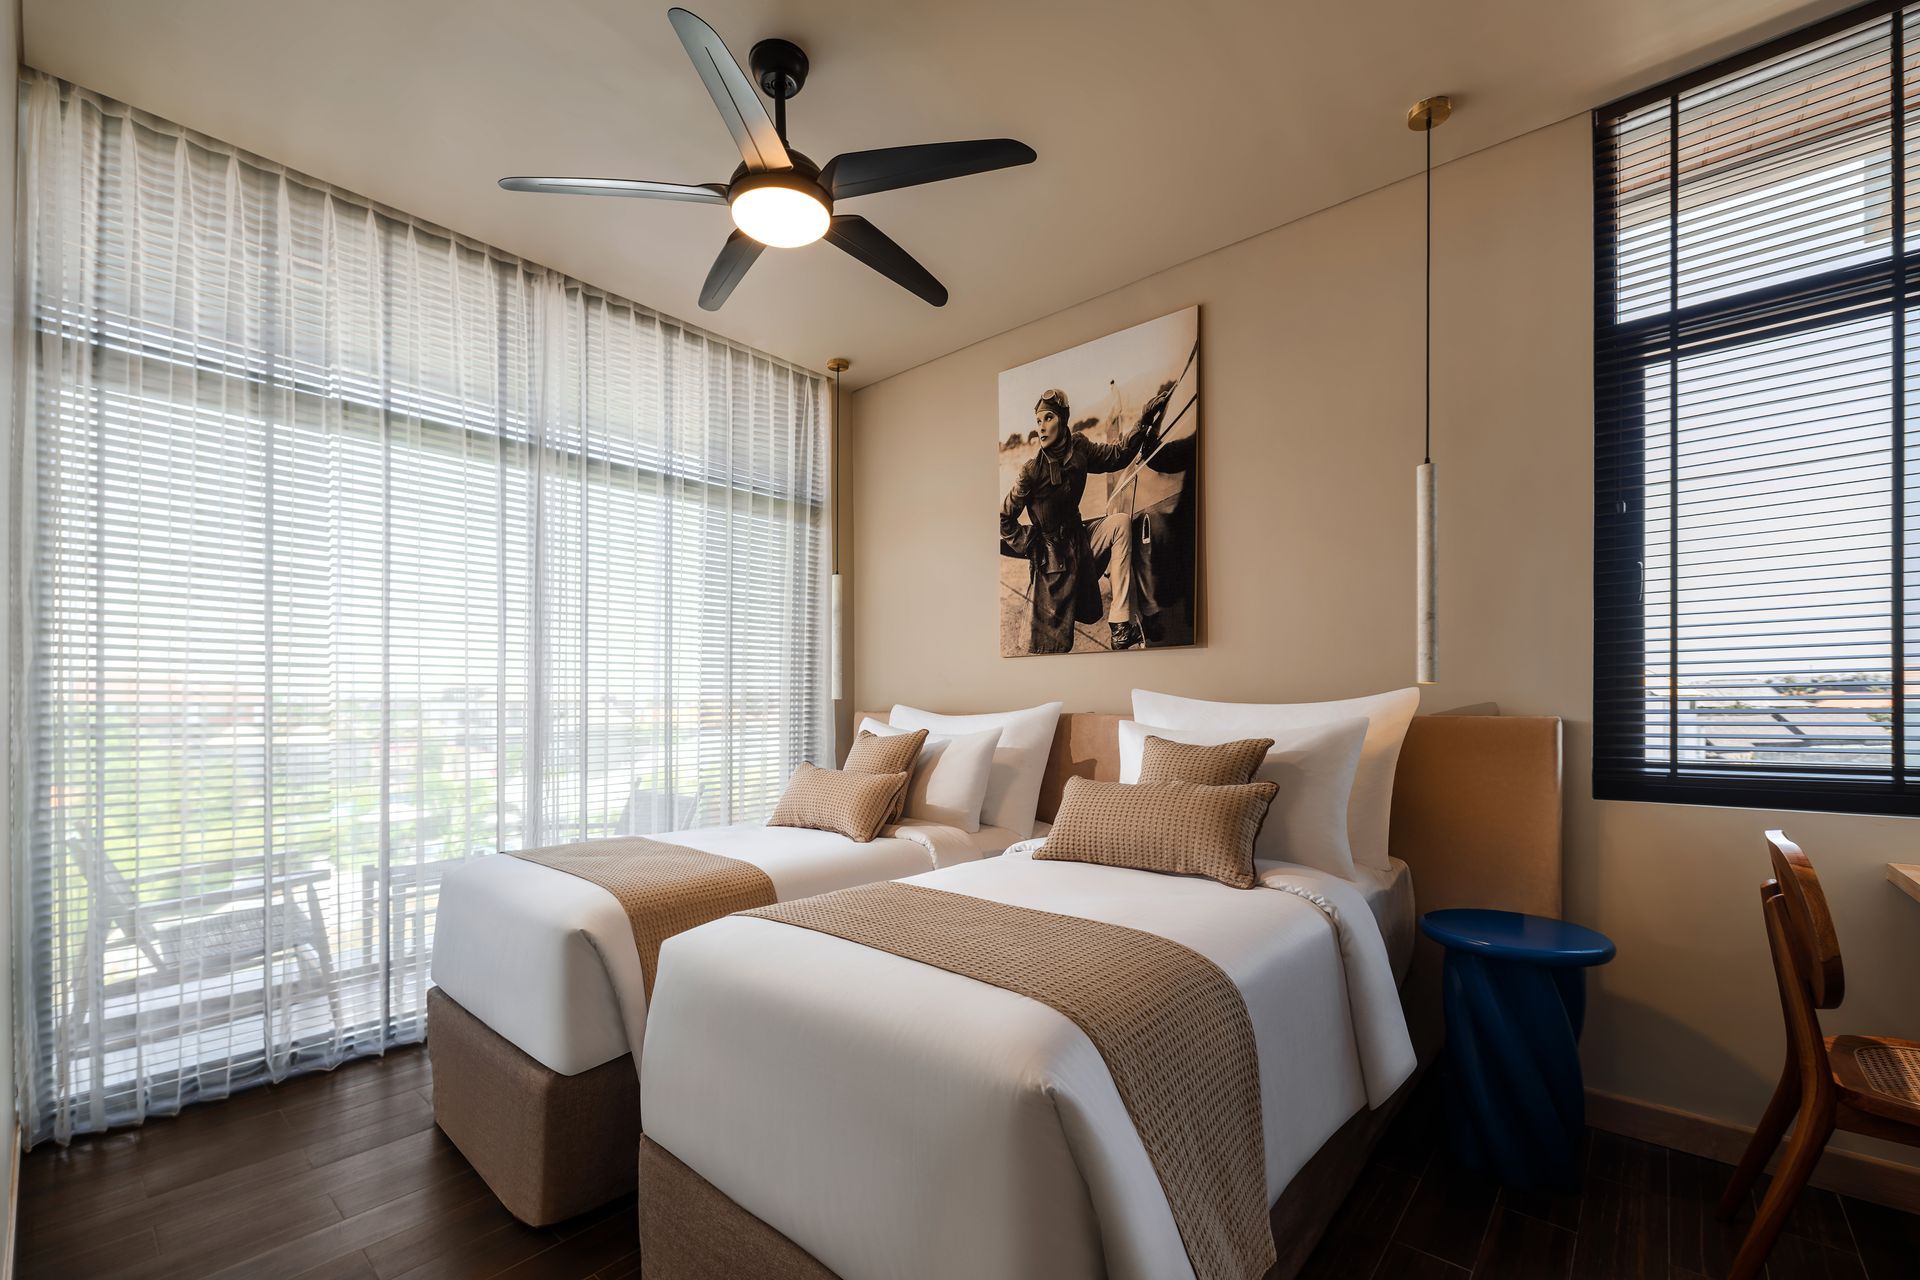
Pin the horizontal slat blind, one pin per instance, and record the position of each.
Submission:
(1752, 359)
(352, 549)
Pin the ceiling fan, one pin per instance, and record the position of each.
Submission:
(778, 197)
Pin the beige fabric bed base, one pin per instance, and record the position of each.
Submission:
(691, 1230)
(550, 1146)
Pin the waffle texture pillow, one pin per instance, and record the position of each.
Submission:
(1177, 828)
(893, 753)
(1370, 808)
(950, 774)
(1219, 764)
(854, 804)
(1313, 767)
(874, 753)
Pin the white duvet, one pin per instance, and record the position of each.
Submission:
(896, 1120)
(547, 959)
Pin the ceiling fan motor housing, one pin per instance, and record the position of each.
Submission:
(803, 176)
(780, 67)
(802, 165)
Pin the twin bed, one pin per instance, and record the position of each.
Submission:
(539, 1003)
(817, 1107)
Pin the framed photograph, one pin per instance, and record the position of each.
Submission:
(1099, 490)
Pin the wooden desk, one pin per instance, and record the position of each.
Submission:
(1907, 876)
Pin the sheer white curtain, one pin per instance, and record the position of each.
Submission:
(348, 549)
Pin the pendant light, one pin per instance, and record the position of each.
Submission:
(1425, 116)
(836, 366)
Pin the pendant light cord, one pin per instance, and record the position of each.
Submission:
(1428, 449)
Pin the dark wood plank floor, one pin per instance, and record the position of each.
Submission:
(337, 1175)
(345, 1175)
(1642, 1213)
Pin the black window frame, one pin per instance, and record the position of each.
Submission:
(1623, 350)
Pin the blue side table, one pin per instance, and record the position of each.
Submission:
(1515, 990)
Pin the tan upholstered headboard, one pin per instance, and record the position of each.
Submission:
(1476, 803)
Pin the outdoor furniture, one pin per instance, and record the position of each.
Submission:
(411, 895)
(186, 936)
(650, 810)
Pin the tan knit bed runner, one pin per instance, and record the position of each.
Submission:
(664, 889)
(1171, 1026)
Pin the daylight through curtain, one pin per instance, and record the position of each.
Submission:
(347, 549)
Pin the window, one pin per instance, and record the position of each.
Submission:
(1755, 513)
(351, 549)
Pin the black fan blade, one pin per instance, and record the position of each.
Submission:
(736, 255)
(853, 234)
(747, 120)
(860, 173)
(697, 193)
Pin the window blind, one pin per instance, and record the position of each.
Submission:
(1755, 453)
(351, 549)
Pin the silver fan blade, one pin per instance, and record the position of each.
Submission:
(697, 193)
(736, 255)
(732, 93)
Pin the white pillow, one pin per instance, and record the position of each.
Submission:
(1019, 763)
(950, 776)
(1370, 811)
(1314, 769)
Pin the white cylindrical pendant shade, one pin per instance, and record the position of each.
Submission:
(833, 642)
(1426, 572)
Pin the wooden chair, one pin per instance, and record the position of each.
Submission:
(1861, 1084)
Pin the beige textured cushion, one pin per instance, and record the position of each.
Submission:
(1224, 764)
(896, 753)
(1173, 827)
(854, 804)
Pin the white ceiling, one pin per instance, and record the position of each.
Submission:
(1164, 129)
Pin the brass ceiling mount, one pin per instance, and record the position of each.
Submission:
(838, 364)
(1429, 113)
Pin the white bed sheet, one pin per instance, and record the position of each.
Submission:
(547, 959)
(895, 1119)
(1389, 896)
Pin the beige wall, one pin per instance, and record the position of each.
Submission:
(1311, 403)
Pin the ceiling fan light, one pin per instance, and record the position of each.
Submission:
(779, 214)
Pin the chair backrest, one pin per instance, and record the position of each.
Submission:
(652, 810)
(1816, 946)
(114, 897)
(1806, 1047)
(109, 884)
